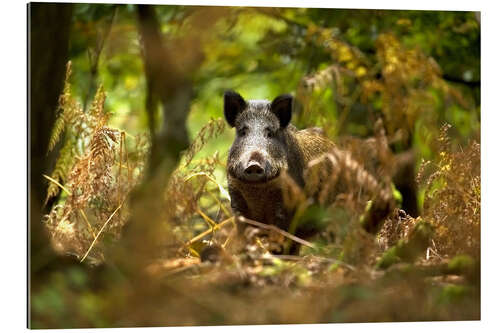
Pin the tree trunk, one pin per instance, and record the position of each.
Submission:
(169, 85)
(48, 40)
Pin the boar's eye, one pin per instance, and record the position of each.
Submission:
(242, 131)
(270, 133)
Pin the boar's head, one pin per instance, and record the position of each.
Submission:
(260, 148)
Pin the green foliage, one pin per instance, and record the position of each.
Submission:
(460, 263)
(397, 195)
(453, 294)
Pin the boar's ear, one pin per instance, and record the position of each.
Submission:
(282, 108)
(233, 105)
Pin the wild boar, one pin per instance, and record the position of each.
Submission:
(269, 153)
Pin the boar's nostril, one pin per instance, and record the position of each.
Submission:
(254, 169)
(254, 172)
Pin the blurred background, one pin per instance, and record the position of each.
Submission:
(126, 107)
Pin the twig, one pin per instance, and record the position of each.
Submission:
(229, 237)
(100, 231)
(207, 219)
(203, 234)
(300, 258)
(222, 190)
(58, 184)
(221, 205)
(181, 269)
(274, 228)
(88, 223)
(434, 251)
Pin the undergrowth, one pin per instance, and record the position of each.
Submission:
(452, 197)
(94, 173)
(343, 274)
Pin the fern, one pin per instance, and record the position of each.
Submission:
(68, 113)
(60, 173)
(96, 111)
(86, 168)
(212, 129)
(64, 101)
(59, 127)
(451, 187)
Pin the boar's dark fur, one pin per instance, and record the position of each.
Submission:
(267, 150)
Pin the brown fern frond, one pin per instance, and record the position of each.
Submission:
(61, 169)
(97, 107)
(102, 156)
(452, 196)
(57, 130)
(62, 107)
(85, 167)
(211, 130)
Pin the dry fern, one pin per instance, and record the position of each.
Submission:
(211, 130)
(89, 167)
(452, 197)
(69, 113)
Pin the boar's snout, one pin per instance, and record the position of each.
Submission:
(254, 172)
(255, 168)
